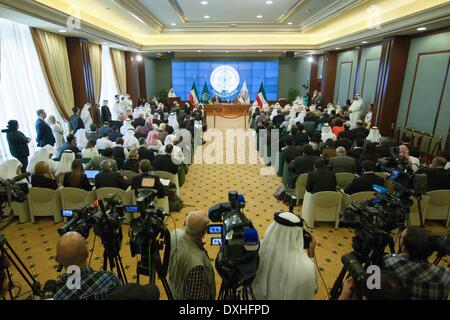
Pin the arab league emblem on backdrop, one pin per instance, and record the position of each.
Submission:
(225, 80)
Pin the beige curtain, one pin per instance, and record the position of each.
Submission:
(120, 72)
(52, 52)
(95, 54)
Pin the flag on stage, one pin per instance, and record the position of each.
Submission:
(243, 95)
(193, 95)
(260, 100)
(261, 89)
(206, 97)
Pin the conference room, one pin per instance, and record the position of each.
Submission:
(224, 150)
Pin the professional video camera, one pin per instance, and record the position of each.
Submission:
(11, 190)
(238, 259)
(149, 235)
(106, 223)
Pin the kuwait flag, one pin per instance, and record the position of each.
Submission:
(260, 100)
(193, 95)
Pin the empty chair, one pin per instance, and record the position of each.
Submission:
(413, 219)
(357, 197)
(322, 206)
(439, 206)
(74, 198)
(300, 186)
(21, 210)
(344, 179)
(169, 176)
(44, 202)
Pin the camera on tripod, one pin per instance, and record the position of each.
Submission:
(238, 259)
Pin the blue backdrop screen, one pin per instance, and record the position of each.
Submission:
(253, 72)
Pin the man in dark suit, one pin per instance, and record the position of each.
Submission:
(71, 144)
(165, 162)
(145, 153)
(75, 121)
(105, 112)
(299, 137)
(291, 152)
(358, 149)
(104, 129)
(18, 144)
(438, 177)
(136, 182)
(278, 119)
(320, 179)
(367, 180)
(139, 121)
(43, 130)
(342, 162)
(108, 178)
(359, 131)
(302, 164)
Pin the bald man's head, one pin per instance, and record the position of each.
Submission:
(196, 223)
(72, 250)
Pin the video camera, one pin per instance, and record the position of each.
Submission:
(238, 259)
(11, 190)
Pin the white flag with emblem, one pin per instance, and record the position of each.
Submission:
(243, 95)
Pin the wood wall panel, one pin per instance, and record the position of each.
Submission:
(329, 76)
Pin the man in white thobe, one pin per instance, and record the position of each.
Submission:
(355, 110)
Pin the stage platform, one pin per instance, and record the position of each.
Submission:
(226, 108)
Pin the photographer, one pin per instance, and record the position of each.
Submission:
(391, 288)
(18, 143)
(191, 275)
(421, 279)
(285, 271)
(72, 251)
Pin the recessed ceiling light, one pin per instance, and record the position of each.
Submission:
(337, 48)
(364, 42)
(289, 23)
(421, 29)
(204, 3)
(259, 16)
(227, 51)
(199, 50)
(63, 31)
(260, 51)
(173, 24)
(206, 17)
(269, 2)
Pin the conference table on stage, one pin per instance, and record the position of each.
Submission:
(226, 108)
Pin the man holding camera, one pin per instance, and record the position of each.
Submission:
(191, 275)
(18, 143)
(72, 252)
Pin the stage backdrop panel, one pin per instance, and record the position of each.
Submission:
(253, 72)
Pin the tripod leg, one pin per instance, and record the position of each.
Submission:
(18, 259)
(337, 287)
(121, 268)
(31, 283)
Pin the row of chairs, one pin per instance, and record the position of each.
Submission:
(327, 205)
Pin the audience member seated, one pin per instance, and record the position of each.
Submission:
(134, 292)
(299, 136)
(278, 119)
(165, 161)
(153, 142)
(77, 178)
(191, 275)
(94, 164)
(413, 162)
(104, 142)
(391, 288)
(109, 178)
(92, 134)
(162, 133)
(90, 151)
(42, 177)
(338, 127)
(342, 141)
(359, 132)
(114, 134)
(285, 271)
(139, 133)
(446, 154)
(369, 153)
(316, 142)
(129, 140)
(71, 144)
(329, 151)
(132, 163)
(145, 153)
(366, 180)
(438, 177)
(421, 279)
(139, 121)
(342, 162)
(413, 151)
(104, 129)
(119, 151)
(302, 164)
(358, 149)
(290, 152)
(144, 169)
(321, 179)
(72, 251)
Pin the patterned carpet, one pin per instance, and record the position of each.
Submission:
(205, 186)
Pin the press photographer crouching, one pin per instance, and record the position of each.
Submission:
(191, 275)
(72, 251)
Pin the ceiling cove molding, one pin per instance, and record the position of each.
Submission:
(134, 7)
(439, 14)
(176, 6)
(50, 15)
(330, 12)
(292, 10)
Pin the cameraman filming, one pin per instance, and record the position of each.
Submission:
(72, 251)
(191, 275)
(421, 279)
(18, 143)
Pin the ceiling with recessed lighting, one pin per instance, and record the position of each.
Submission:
(191, 25)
